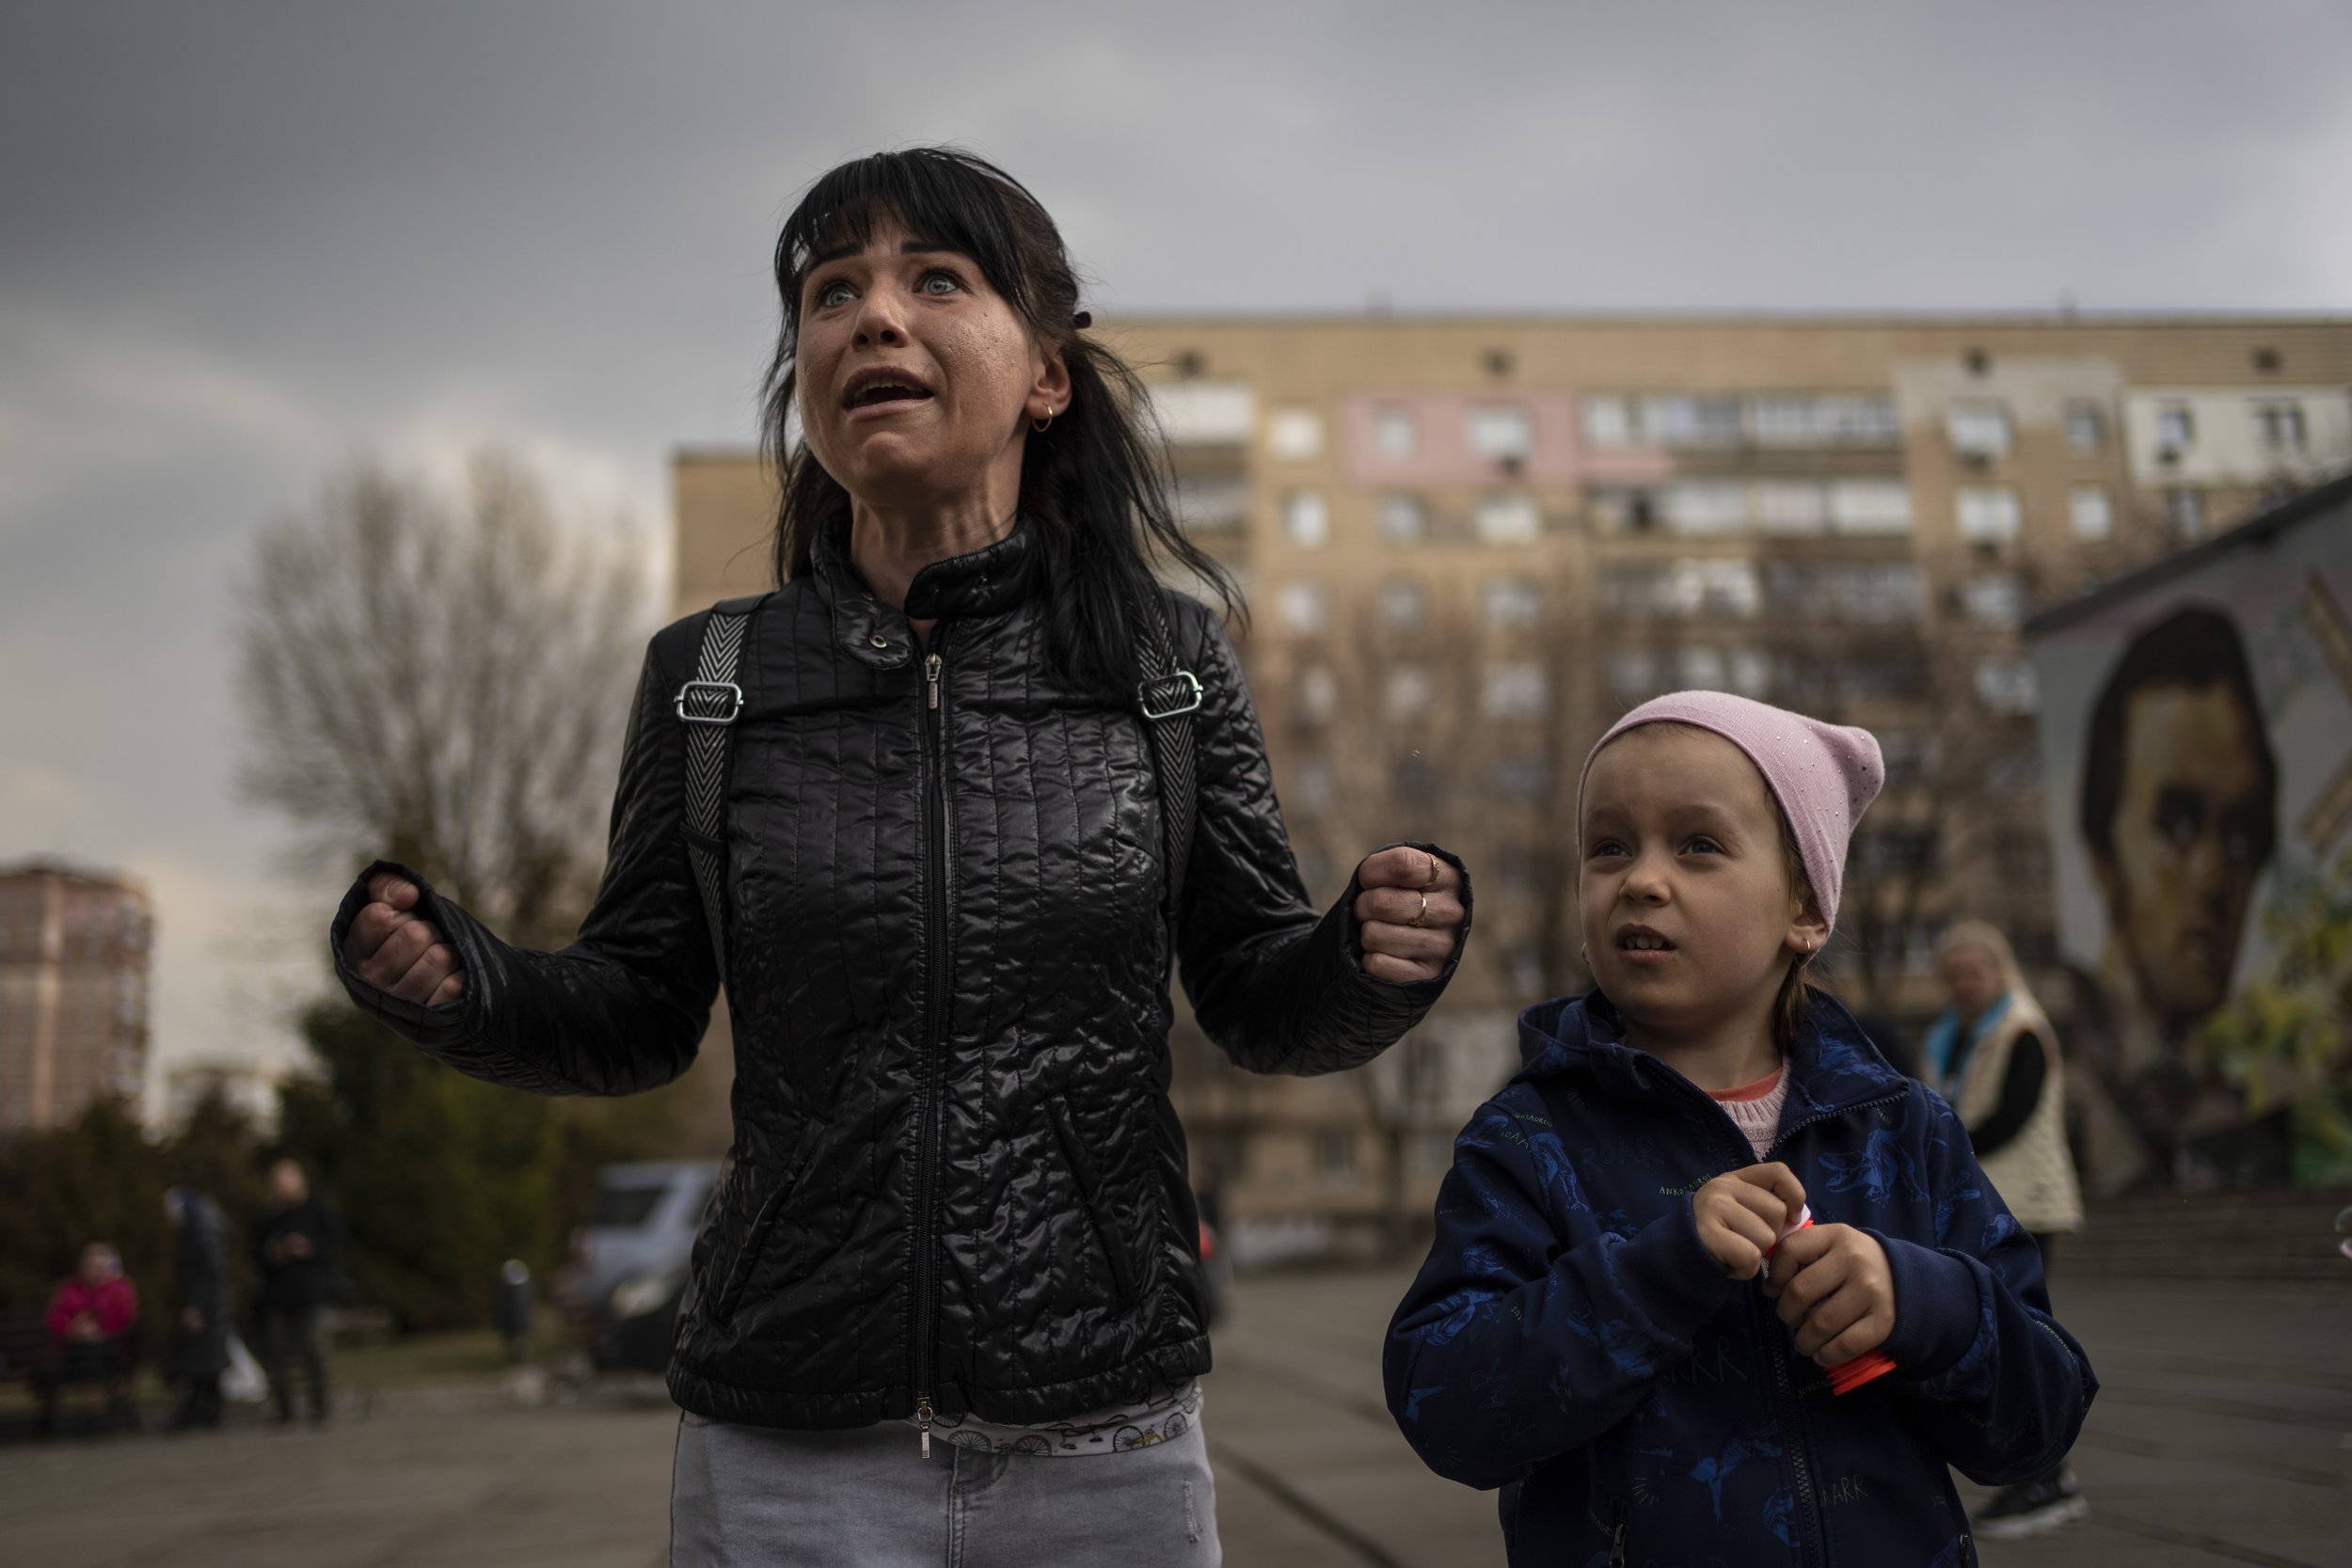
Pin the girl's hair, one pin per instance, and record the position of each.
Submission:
(1094, 486)
(1796, 993)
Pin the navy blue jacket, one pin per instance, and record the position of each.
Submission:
(1570, 1340)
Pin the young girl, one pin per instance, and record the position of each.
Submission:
(1617, 1324)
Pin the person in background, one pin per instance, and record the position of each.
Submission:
(296, 1243)
(90, 1318)
(1994, 1056)
(200, 1271)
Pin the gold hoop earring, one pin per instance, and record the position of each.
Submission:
(1041, 426)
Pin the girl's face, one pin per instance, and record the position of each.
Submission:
(1973, 977)
(1690, 921)
(917, 380)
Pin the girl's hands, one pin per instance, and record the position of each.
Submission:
(1407, 913)
(400, 952)
(1741, 1214)
(1835, 1290)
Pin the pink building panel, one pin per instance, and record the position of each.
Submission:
(1443, 453)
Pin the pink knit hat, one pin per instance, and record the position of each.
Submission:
(1824, 776)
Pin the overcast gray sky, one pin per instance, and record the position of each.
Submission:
(240, 242)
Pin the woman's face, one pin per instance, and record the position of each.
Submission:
(916, 380)
(1973, 977)
(1688, 915)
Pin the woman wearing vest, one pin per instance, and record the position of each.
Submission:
(1995, 1057)
(939, 814)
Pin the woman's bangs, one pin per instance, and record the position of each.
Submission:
(940, 201)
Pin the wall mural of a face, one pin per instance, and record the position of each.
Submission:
(2179, 811)
(2188, 840)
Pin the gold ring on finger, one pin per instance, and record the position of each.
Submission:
(1433, 872)
(1421, 916)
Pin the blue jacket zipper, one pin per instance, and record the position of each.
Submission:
(1784, 1387)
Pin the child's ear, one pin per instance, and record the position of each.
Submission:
(1808, 933)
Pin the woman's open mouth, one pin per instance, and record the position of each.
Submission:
(872, 392)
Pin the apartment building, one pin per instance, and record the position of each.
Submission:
(1468, 544)
(75, 948)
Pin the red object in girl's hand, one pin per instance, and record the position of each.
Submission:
(1846, 1376)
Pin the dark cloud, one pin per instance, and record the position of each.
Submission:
(243, 239)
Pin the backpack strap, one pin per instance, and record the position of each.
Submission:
(708, 708)
(1168, 697)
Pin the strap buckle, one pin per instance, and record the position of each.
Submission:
(734, 694)
(1176, 694)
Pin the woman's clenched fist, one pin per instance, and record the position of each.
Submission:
(400, 952)
(1407, 913)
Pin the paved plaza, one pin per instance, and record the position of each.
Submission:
(2223, 1435)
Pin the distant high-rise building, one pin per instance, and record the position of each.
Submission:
(1470, 544)
(75, 947)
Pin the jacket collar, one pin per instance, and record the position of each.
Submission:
(1832, 1064)
(987, 581)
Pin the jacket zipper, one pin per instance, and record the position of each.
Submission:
(1784, 1387)
(935, 869)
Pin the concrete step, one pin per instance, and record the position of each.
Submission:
(2287, 1235)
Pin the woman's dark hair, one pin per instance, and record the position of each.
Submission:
(1094, 486)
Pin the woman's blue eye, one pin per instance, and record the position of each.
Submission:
(946, 279)
(834, 292)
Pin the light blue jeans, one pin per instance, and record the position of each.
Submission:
(745, 1496)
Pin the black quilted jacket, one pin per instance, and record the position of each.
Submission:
(956, 1176)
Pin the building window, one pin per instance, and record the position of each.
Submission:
(1906, 756)
(1869, 506)
(1978, 429)
(1616, 510)
(1412, 779)
(1318, 693)
(1395, 432)
(1522, 778)
(2176, 427)
(1501, 431)
(1702, 669)
(1994, 601)
(2012, 773)
(1409, 691)
(1508, 519)
(1608, 423)
(1516, 602)
(1633, 676)
(1305, 605)
(1316, 786)
(1823, 421)
(2282, 425)
(1989, 513)
(1692, 421)
(2185, 509)
(2008, 685)
(1516, 691)
(1750, 672)
(2094, 519)
(1307, 520)
(1401, 521)
(1895, 852)
(1403, 602)
(1791, 506)
(1704, 506)
(2086, 426)
(1295, 433)
(1335, 1159)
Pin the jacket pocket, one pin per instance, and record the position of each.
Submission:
(738, 1267)
(1098, 1211)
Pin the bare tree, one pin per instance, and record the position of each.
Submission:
(442, 679)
